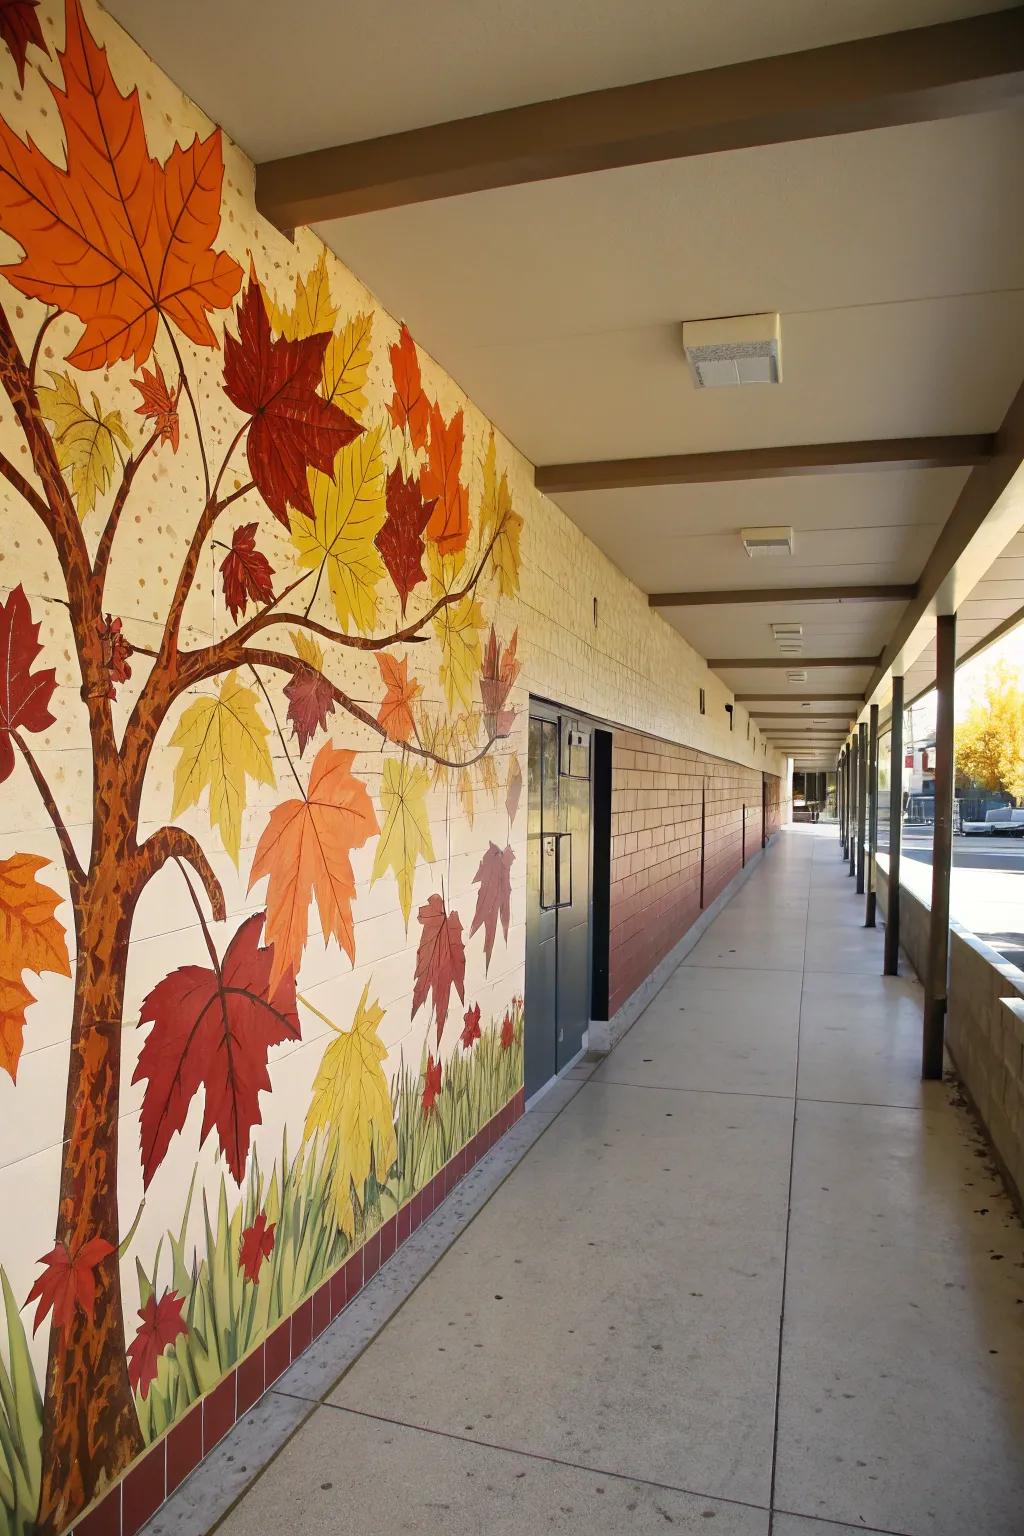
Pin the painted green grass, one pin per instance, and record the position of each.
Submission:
(227, 1314)
(21, 1424)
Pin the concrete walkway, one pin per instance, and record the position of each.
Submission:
(755, 1277)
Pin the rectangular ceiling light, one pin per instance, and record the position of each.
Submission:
(760, 543)
(739, 349)
(796, 677)
(788, 631)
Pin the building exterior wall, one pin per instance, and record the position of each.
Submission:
(660, 841)
(259, 889)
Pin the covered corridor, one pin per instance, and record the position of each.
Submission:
(754, 1276)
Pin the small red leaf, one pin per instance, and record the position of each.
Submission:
(160, 404)
(161, 1324)
(440, 960)
(24, 695)
(400, 540)
(499, 672)
(246, 572)
(494, 877)
(508, 1032)
(293, 428)
(471, 1030)
(310, 702)
(257, 1244)
(431, 1085)
(410, 406)
(19, 26)
(116, 650)
(213, 1029)
(67, 1283)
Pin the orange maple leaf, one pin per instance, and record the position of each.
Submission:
(395, 714)
(409, 406)
(116, 238)
(304, 852)
(31, 939)
(439, 479)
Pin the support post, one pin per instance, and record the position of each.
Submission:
(869, 880)
(935, 996)
(851, 830)
(846, 801)
(892, 906)
(860, 832)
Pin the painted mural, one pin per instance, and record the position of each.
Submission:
(260, 759)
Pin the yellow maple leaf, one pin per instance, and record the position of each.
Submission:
(31, 939)
(313, 309)
(348, 355)
(85, 440)
(223, 743)
(346, 364)
(349, 512)
(405, 835)
(488, 772)
(351, 1107)
(500, 522)
(466, 793)
(307, 649)
(457, 626)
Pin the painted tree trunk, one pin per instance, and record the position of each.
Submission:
(90, 1426)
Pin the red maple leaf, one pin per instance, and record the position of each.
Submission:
(395, 713)
(494, 877)
(116, 650)
(449, 521)
(161, 1324)
(108, 233)
(66, 1282)
(508, 1032)
(499, 672)
(471, 1031)
(159, 404)
(400, 540)
(310, 701)
(19, 26)
(440, 959)
(24, 695)
(293, 428)
(256, 1245)
(410, 406)
(246, 573)
(212, 1029)
(431, 1085)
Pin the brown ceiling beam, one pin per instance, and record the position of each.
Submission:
(985, 485)
(790, 714)
(873, 594)
(767, 463)
(799, 698)
(972, 65)
(785, 663)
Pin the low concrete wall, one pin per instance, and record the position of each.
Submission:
(915, 918)
(984, 1037)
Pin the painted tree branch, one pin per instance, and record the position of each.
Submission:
(24, 489)
(106, 544)
(76, 874)
(176, 843)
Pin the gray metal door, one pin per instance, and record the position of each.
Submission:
(559, 861)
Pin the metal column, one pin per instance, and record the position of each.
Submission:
(942, 850)
(840, 808)
(862, 801)
(851, 820)
(892, 903)
(870, 900)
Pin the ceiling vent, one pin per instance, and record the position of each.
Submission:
(791, 648)
(796, 677)
(763, 543)
(788, 631)
(740, 349)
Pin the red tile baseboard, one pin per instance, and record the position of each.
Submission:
(156, 1475)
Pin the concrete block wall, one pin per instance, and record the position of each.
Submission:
(984, 1038)
(657, 790)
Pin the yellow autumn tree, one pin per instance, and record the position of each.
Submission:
(989, 743)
